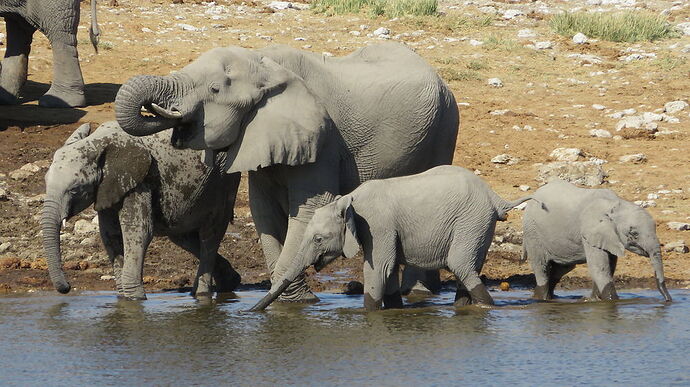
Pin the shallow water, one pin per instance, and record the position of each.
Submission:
(94, 339)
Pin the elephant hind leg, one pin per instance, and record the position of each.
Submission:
(556, 272)
(600, 270)
(16, 63)
(392, 298)
(111, 235)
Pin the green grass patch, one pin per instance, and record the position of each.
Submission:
(617, 27)
(450, 22)
(476, 66)
(389, 8)
(671, 63)
(494, 42)
(453, 75)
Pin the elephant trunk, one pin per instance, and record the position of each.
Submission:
(659, 274)
(154, 93)
(51, 221)
(300, 264)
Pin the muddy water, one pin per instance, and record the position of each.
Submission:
(93, 339)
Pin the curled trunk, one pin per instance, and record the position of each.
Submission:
(143, 91)
(51, 222)
(658, 266)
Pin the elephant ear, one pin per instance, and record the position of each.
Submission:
(600, 232)
(344, 207)
(287, 126)
(124, 167)
(80, 133)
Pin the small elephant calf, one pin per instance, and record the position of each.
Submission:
(140, 187)
(444, 217)
(576, 225)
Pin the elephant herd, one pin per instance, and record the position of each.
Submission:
(342, 154)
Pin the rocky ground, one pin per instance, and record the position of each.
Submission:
(533, 105)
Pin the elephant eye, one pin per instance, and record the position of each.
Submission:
(318, 239)
(633, 234)
(214, 88)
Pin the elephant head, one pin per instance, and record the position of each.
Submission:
(229, 99)
(620, 225)
(330, 234)
(86, 170)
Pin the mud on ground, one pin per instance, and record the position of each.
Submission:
(550, 98)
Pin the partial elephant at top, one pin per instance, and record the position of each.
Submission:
(305, 126)
(58, 20)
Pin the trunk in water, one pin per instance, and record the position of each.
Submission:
(51, 223)
(658, 266)
(143, 91)
(279, 286)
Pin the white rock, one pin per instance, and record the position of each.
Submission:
(83, 226)
(146, 29)
(512, 13)
(677, 247)
(580, 38)
(602, 133)
(678, 226)
(474, 42)
(382, 31)
(526, 34)
(543, 45)
(495, 82)
(36, 199)
(634, 158)
(631, 122)
(355, 33)
(280, 5)
(525, 188)
(587, 173)
(645, 203)
(499, 112)
(186, 27)
(488, 9)
(596, 106)
(586, 58)
(95, 220)
(88, 241)
(675, 106)
(107, 277)
(651, 117)
(4, 247)
(652, 196)
(684, 27)
(504, 159)
(566, 154)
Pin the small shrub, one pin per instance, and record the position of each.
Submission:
(619, 27)
(390, 8)
(494, 42)
(474, 65)
(670, 63)
(452, 75)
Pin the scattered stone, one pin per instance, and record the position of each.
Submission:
(488, 9)
(524, 188)
(88, 241)
(512, 13)
(382, 32)
(586, 58)
(566, 154)
(637, 56)
(495, 82)
(37, 199)
(107, 277)
(83, 226)
(678, 226)
(645, 203)
(635, 122)
(596, 106)
(475, 43)
(677, 247)
(580, 38)
(499, 112)
(526, 34)
(589, 173)
(30, 168)
(600, 133)
(186, 27)
(20, 174)
(280, 5)
(675, 106)
(505, 159)
(354, 287)
(543, 45)
(684, 27)
(652, 117)
(4, 247)
(636, 158)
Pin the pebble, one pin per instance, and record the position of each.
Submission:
(186, 27)
(566, 154)
(543, 45)
(475, 43)
(107, 277)
(596, 106)
(382, 31)
(495, 82)
(504, 159)
(633, 158)
(678, 226)
(645, 203)
(602, 133)
(526, 34)
(580, 38)
(675, 106)
(677, 246)
(524, 188)
(589, 173)
(4, 247)
(512, 13)
(685, 27)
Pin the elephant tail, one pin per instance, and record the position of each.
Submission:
(503, 206)
(94, 32)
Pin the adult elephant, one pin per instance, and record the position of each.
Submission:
(58, 21)
(305, 126)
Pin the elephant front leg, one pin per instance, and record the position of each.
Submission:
(13, 71)
(556, 272)
(209, 239)
(67, 89)
(137, 231)
(541, 275)
(392, 297)
(111, 236)
(599, 267)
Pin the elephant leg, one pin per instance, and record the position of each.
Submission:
(209, 239)
(15, 66)
(392, 298)
(599, 269)
(466, 262)
(137, 231)
(225, 278)
(416, 280)
(67, 89)
(540, 267)
(556, 272)
(111, 235)
(613, 261)
(462, 295)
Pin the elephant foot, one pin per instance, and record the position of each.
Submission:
(203, 295)
(462, 297)
(370, 304)
(62, 99)
(7, 98)
(541, 292)
(392, 301)
(226, 279)
(134, 298)
(298, 292)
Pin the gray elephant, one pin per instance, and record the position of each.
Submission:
(594, 226)
(140, 187)
(442, 218)
(58, 21)
(305, 126)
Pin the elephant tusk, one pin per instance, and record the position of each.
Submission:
(165, 113)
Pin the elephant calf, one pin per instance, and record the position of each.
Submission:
(140, 187)
(577, 225)
(444, 217)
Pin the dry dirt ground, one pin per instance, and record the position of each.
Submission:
(546, 102)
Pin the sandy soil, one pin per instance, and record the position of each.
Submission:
(548, 97)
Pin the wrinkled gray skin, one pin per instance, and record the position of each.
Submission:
(306, 127)
(442, 218)
(58, 21)
(594, 226)
(140, 187)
